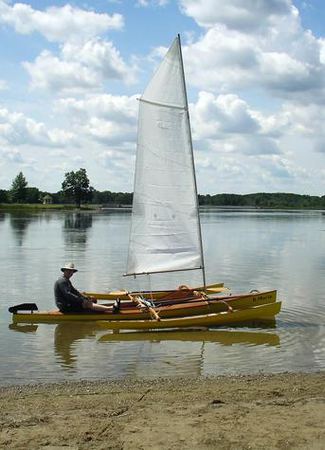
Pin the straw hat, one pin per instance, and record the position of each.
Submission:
(69, 266)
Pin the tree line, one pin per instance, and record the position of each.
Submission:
(76, 188)
(264, 200)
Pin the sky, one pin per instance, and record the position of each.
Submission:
(71, 74)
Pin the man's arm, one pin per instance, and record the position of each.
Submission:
(69, 292)
(74, 291)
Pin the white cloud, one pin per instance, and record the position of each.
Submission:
(101, 56)
(106, 118)
(58, 24)
(281, 72)
(146, 3)
(257, 145)
(115, 159)
(213, 117)
(320, 145)
(79, 68)
(248, 16)
(240, 145)
(246, 174)
(256, 81)
(61, 138)
(109, 132)
(52, 73)
(226, 124)
(280, 167)
(282, 59)
(106, 106)
(17, 129)
(221, 60)
(11, 155)
(118, 160)
(306, 120)
(83, 61)
(99, 132)
(273, 125)
(322, 50)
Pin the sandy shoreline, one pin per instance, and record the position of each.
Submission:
(282, 411)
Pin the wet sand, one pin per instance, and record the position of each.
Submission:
(283, 411)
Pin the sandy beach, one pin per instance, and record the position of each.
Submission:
(283, 411)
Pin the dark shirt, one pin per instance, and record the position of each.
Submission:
(67, 298)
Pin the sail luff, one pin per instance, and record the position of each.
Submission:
(165, 229)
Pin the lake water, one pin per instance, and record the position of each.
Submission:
(246, 249)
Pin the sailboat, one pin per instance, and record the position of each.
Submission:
(165, 233)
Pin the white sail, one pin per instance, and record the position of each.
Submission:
(165, 230)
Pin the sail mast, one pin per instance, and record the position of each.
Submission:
(192, 158)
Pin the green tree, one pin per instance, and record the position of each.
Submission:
(32, 195)
(18, 189)
(76, 186)
(4, 198)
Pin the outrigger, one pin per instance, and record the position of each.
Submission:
(229, 317)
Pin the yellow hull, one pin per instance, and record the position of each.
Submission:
(263, 312)
(239, 302)
(122, 295)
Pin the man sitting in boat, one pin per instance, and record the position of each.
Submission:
(68, 299)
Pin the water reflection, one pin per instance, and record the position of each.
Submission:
(19, 224)
(76, 226)
(129, 360)
(65, 335)
(158, 353)
(223, 337)
(246, 250)
(179, 353)
(23, 328)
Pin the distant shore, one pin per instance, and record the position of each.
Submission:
(52, 207)
(32, 207)
(280, 411)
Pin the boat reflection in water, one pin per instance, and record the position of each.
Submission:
(137, 354)
(223, 337)
(23, 328)
(66, 334)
